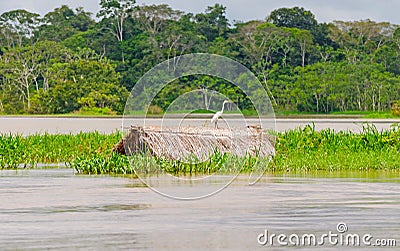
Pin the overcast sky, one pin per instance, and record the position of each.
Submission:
(243, 10)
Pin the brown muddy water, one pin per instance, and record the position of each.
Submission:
(54, 209)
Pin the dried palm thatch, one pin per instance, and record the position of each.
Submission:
(184, 142)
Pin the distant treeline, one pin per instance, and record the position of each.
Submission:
(70, 61)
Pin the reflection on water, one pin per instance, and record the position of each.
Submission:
(54, 209)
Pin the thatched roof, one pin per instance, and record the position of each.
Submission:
(184, 142)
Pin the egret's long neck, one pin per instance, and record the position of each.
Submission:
(223, 107)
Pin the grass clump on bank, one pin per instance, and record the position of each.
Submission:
(346, 114)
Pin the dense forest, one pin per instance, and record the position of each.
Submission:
(70, 60)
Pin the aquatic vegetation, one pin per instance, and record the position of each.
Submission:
(18, 151)
(306, 149)
(147, 164)
(300, 150)
(101, 164)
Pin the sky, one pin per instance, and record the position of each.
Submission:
(243, 10)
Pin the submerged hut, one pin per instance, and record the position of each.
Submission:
(184, 142)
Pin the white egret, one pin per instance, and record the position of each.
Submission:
(217, 115)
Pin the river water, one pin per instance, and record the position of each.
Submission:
(54, 209)
(35, 125)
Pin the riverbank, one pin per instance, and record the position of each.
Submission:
(299, 150)
(247, 114)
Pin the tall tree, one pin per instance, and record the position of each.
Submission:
(64, 22)
(295, 17)
(20, 70)
(360, 38)
(26, 70)
(258, 41)
(84, 83)
(159, 22)
(302, 19)
(304, 39)
(18, 26)
(213, 23)
(152, 18)
(116, 12)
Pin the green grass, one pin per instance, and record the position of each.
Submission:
(16, 150)
(103, 164)
(95, 112)
(381, 115)
(368, 114)
(298, 151)
(308, 150)
(347, 114)
(145, 164)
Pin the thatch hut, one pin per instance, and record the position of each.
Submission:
(184, 142)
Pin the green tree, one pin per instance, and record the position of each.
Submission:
(302, 19)
(258, 41)
(159, 23)
(114, 14)
(359, 39)
(21, 71)
(295, 17)
(304, 41)
(18, 27)
(213, 23)
(64, 22)
(26, 70)
(154, 18)
(83, 83)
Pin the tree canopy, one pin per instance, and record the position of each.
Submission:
(68, 61)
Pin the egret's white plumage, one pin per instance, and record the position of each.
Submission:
(217, 115)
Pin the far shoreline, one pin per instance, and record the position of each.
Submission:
(204, 115)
